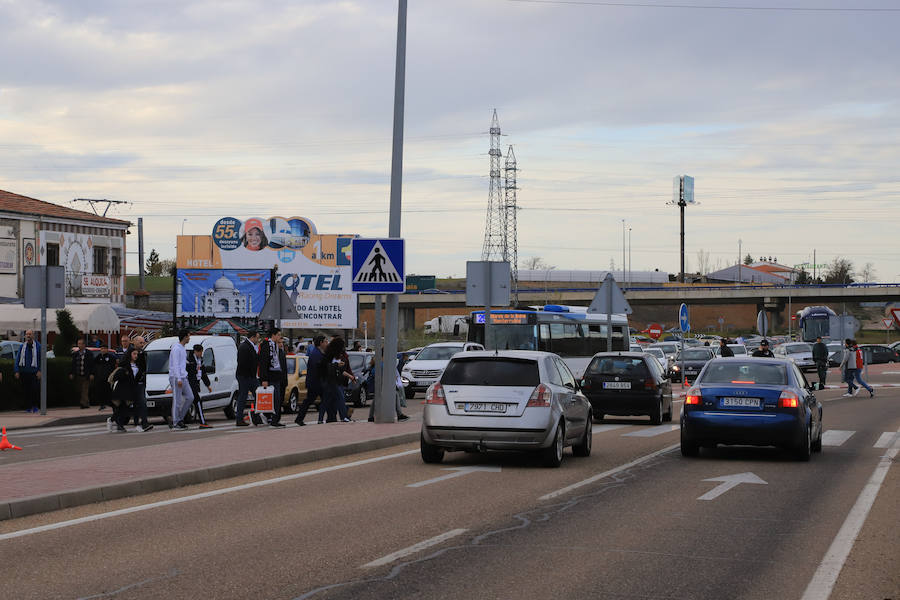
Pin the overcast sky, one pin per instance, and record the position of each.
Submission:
(788, 119)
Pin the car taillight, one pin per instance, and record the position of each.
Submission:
(693, 397)
(540, 396)
(788, 399)
(435, 395)
(650, 384)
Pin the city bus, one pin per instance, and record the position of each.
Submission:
(815, 321)
(568, 331)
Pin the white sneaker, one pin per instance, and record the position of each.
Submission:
(855, 391)
(137, 428)
(847, 395)
(109, 424)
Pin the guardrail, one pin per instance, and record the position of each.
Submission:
(674, 288)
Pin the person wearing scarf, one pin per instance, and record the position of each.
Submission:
(27, 369)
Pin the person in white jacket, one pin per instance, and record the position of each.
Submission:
(182, 397)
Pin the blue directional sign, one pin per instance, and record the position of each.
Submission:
(379, 266)
(683, 320)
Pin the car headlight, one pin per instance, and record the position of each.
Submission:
(404, 381)
(676, 368)
(405, 371)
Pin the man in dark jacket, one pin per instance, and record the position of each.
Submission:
(724, 350)
(140, 402)
(272, 367)
(196, 374)
(82, 372)
(104, 365)
(313, 382)
(763, 350)
(820, 356)
(27, 369)
(247, 369)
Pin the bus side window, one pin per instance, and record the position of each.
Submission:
(596, 339)
(544, 344)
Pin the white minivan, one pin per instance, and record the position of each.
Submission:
(219, 361)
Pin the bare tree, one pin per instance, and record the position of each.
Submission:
(868, 273)
(703, 261)
(536, 263)
(839, 271)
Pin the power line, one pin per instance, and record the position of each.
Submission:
(811, 9)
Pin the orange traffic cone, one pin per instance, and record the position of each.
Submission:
(4, 443)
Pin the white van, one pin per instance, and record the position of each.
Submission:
(219, 362)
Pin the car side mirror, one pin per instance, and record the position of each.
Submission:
(571, 386)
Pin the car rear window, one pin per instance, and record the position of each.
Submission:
(618, 365)
(492, 371)
(799, 349)
(731, 371)
(696, 355)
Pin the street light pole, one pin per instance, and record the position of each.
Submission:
(629, 257)
(623, 250)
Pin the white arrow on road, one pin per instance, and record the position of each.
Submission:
(728, 482)
(459, 471)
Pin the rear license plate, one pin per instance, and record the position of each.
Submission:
(741, 402)
(490, 407)
(151, 403)
(616, 385)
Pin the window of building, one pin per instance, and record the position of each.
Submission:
(52, 255)
(115, 262)
(100, 260)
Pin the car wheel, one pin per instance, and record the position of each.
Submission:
(553, 454)
(805, 448)
(431, 454)
(409, 393)
(688, 448)
(230, 409)
(816, 446)
(583, 448)
(598, 418)
(294, 401)
(656, 415)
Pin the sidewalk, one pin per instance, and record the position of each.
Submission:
(67, 415)
(47, 485)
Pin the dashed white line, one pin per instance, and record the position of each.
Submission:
(886, 439)
(822, 583)
(652, 431)
(836, 437)
(423, 545)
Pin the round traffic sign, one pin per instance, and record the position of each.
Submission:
(655, 330)
(683, 320)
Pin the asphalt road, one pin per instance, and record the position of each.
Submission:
(502, 527)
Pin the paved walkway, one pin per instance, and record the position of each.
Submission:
(68, 415)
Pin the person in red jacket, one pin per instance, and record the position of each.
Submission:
(859, 368)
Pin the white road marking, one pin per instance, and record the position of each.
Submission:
(886, 439)
(825, 577)
(602, 428)
(605, 474)
(458, 472)
(728, 482)
(835, 437)
(210, 494)
(890, 372)
(386, 560)
(41, 432)
(652, 431)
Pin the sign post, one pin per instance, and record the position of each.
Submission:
(45, 288)
(684, 323)
(762, 323)
(487, 285)
(609, 299)
(887, 329)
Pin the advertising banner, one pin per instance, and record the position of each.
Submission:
(221, 293)
(8, 255)
(95, 285)
(313, 268)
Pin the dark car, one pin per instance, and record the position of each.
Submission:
(693, 359)
(751, 401)
(876, 354)
(627, 383)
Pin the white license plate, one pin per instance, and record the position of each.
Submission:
(616, 385)
(491, 407)
(741, 402)
(151, 403)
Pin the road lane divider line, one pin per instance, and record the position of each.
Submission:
(595, 429)
(415, 548)
(652, 431)
(210, 494)
(836, 437)
(606, 474)
(886, 439)
(823, 581)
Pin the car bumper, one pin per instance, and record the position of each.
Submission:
(763, 429)
(532, 431)
(624, 404)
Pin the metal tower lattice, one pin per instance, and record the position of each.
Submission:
(494, 231)
(510, 243)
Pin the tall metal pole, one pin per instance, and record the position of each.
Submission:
(681, 206)
(140, 250)
(379, 351)
(385, 413)
(740, 261)
(629, 257)
(623, 250)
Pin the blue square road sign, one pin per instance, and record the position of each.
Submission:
(379, 266)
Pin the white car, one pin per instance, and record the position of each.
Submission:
(518, 400)
(219, 362)
(660, 357)
(429, 364)
(799, 352)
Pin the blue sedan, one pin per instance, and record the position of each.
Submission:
(751, 401)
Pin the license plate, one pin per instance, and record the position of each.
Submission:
(151, 403)
(491, 407)
(741, 402)
(616, 385)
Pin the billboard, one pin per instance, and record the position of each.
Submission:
(313, 268)
(221, 293)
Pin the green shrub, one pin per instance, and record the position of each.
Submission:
(60, 391)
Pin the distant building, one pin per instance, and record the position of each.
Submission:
(759, 272)
(90, 247)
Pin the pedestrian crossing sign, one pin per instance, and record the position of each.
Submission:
(378, 266)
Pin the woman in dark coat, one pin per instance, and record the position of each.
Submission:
(333, 372)
(127, 389)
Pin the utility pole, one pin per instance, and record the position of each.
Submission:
(683, 194)
(94, 202)
(140, 251)
(740, 261)
(629, 257)
(623, 250)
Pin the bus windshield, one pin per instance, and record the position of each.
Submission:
(512, 337)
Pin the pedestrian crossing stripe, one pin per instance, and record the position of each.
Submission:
(377, 267)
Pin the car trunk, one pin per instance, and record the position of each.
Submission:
(489, 386)
(740, 398)
(618, 379)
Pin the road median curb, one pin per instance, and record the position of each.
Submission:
(22, 507)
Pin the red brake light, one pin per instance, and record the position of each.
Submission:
(747, 382)
(788, 399)
(693, 397)
(650, 384)
(540, 396)
(435, 395)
